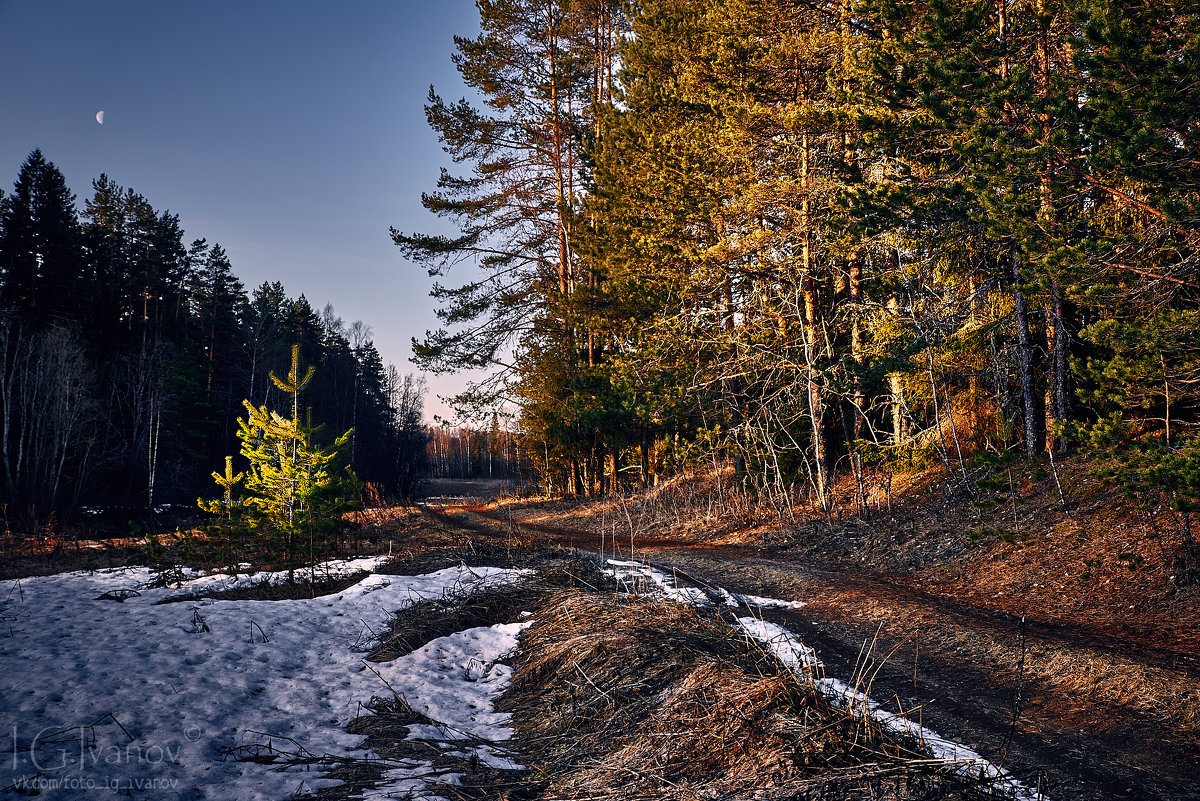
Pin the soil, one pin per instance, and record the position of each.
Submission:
(1022, 609)
(1042, 629)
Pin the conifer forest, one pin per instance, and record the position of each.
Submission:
(127, 357)
(794, 239)
(805, 238)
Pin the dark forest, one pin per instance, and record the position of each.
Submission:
(126, 355)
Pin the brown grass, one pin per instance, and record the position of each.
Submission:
(57, 549)
(266, 590)
(1090, 569)
(618, 698)
(426, 620)
(700, 506)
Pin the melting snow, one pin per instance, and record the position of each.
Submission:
(645, 580)
(135, 698)
(803, 660)
(737, 599)
(145, 699)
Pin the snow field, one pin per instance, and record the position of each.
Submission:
(111, 698)
(100, 697)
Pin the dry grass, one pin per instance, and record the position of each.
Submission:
(699, 506)
(618, 698)
(426, 620)
(615, 697)
(1053, 669)
(1167, 695)
(1094, 572)
(54, 549)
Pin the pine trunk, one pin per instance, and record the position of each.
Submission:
(1024, 358)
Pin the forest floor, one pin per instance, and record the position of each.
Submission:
(1025, 611)
(1029, 613)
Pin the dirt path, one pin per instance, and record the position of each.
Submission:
(1007, 688)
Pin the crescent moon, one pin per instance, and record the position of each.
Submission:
(100, 117)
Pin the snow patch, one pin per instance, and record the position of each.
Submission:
(154, 700)
(736, 599)
(646, 580)
(790, 651)
(803, 661)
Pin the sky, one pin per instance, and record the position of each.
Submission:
(291, 134)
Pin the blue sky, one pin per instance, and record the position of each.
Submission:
(291, 133)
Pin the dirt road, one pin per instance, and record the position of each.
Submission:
(1007, 687)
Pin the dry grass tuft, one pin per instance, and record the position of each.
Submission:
(266, 590)
(1166, 694)
(426, 620)
(429, 619)
(618, 698)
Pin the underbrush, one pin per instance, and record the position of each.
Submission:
(57, 547)
(615, 696)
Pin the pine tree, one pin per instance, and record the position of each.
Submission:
(541, 69)
(978, 105)
(291, 488)
(1140, 65)
(287, 470)
(265, 334)
(714, 191)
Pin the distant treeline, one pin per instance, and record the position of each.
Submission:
(465, 452)
(126, 354)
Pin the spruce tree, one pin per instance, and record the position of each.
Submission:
(138, 268)
(41, 260)
(218, 300)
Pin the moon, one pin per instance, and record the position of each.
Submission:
(100, 117)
